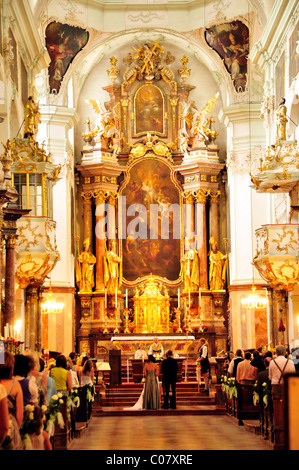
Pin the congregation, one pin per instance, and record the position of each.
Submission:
(28, 389)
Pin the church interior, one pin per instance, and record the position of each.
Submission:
(150, 183)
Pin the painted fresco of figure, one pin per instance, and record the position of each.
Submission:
(190, 268)
(218, 261)
(85, 269)
(112, 268)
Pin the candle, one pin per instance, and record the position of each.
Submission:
(126, 298)
(179, 299)
(105, 298)
(189, 298)
(199, 295)
(115, 297)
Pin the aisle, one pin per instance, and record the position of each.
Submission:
(167, 433)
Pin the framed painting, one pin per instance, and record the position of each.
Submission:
(150, 228)
(63, 43)
(149, 108)
(231, 42)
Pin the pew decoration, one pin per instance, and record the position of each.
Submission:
(73, 398)
(229, 386)
(54, 415)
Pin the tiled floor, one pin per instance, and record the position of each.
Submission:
(167, 433)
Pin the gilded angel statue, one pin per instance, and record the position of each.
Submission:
(105, 122)
(200, 121)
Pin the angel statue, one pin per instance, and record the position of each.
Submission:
(190, 268)
(200, 122)
(105, 122)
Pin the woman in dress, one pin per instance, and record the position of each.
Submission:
(151, 396)
(14, 393)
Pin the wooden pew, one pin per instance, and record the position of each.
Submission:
(84, 411)
(61, 438)
(245, 406)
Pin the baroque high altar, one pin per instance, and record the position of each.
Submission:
(151, 255)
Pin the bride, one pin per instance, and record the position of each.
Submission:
(150, 395)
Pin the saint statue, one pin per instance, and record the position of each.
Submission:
(281, 121)
(218, 263)
(112, 268)
(31, 119)
(84, 269)
(190, 269)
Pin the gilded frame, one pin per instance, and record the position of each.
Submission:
(154, 112)
(174, 181)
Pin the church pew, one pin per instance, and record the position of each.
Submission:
(245, 406)
(84, 411)
(61, 438)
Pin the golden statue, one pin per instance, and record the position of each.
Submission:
(112, 268)
(84, 269)
(31, 119)
(281, 121)
(190, 268)
(218, 263)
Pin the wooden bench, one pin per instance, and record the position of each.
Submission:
(61, 437)
(245, 406)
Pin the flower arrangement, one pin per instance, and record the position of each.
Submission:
(54, 415)
(229, 386)
(73, 397)
(256, 396)
(265, 389)
(89, 392)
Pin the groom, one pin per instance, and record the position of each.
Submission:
(169, 376)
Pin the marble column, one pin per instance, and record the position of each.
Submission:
(9, 314)
(201, 233)
(189, 215)
(214, 215)
(100, 198)
(87, 216)
(31, 321)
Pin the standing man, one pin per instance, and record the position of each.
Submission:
(169, 376)
(156, 349)
(203, 361)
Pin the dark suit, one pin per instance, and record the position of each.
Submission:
(169, 375)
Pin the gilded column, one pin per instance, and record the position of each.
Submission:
(32, 312)
(100, 198)
(214, 215)
(87, 215)
(201, 196)
(9, 313)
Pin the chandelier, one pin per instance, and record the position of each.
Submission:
(50, 306)
(254, 301)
